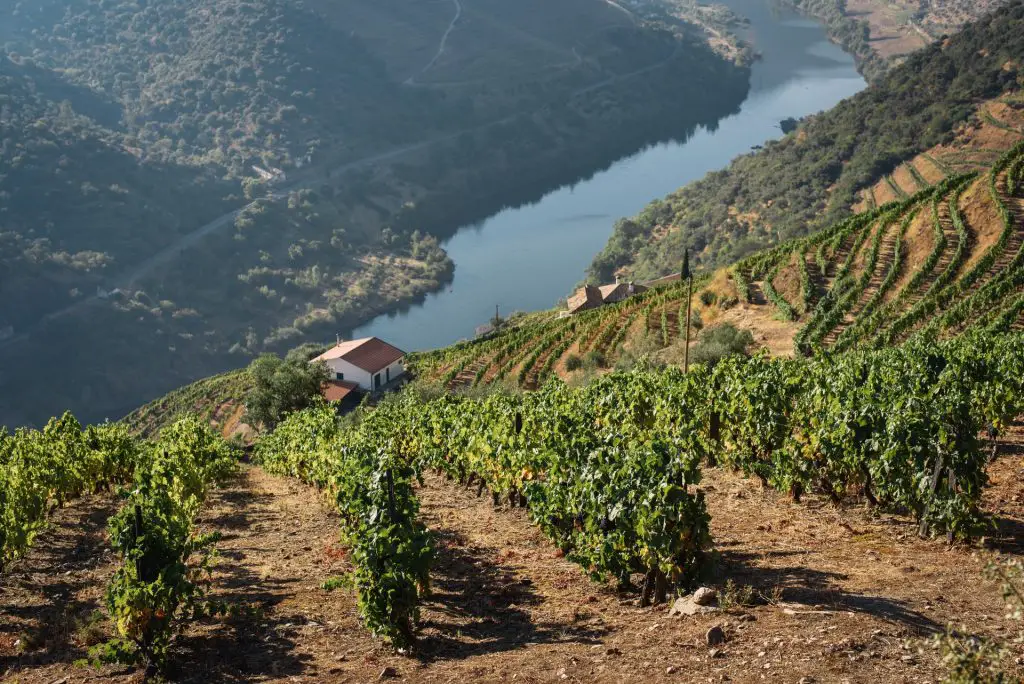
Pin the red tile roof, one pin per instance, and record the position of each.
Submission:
(336, 390)
(372, 354)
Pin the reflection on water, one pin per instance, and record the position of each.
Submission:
(528, 257)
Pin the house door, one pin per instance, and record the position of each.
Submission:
(376, 381)
(387, 375)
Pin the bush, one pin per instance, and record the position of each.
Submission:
(281, 386)
(719, 342)
(726, 303)
(707, 297)
(594, 359)
(573, 362)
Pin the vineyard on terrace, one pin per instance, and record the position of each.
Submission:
(810, 488)
(943, 260)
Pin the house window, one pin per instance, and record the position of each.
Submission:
(376, 381)
(387, 375)
(339, 376)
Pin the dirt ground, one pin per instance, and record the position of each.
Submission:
(891, 33)
(838, 595)
(918, 242)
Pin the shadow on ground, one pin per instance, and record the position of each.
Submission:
(478, 607)
(252, 645)
(59, 569)
(816, 588)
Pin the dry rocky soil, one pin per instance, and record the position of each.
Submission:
(838, 595)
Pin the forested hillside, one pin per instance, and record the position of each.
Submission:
(223, 82)
(811, 177)
(76, 203)
(132, 131)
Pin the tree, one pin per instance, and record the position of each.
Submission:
(281, 386)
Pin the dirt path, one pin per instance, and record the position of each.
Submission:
(440, 48)
(47, 598)
(838, 595)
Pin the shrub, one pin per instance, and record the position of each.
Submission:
(719, 342)
(707, 297)
(573, 362)
(594, 359)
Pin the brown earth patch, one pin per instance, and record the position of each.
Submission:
(918, 242)
(883, 192)
(890, 33)
(769, 331)
(931, 173)
(836, 594)
(905, 180)
(787, 282)
(982, 220)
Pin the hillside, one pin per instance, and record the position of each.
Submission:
(812, 177)
(881, 33)
(943, 260)
(392, 123)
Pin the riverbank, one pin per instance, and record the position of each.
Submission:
(332, 255)
(528, 257)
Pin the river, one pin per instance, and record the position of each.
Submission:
(528, 257)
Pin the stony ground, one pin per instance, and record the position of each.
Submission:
(834, 595)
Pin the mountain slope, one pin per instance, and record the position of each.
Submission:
(945, 260)
(152, 116)
(810, 178)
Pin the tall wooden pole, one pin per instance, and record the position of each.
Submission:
(687, 275)
(686, 342)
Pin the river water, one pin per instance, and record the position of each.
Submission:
(528, 257)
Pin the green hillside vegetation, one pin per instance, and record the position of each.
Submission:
(849, 286)
(153, 140)
(76, 204)
(810, 178)
(854, 285)
(905, 391)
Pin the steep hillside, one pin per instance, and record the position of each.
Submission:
(811, 178)
(943, 260)
(133, 133)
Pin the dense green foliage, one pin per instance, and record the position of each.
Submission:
(281, 386)
(155, 536)
(720, 341)
(42, 468)
(369, 471)
(810, 178)
(609, 471)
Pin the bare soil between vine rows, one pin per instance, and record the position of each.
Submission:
(840, 595)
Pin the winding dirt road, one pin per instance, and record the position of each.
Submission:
(440, 49)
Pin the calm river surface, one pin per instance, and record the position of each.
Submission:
(527, 258)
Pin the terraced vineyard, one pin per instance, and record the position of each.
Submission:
(540, 345)
(943, 260)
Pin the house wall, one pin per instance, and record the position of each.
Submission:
(358, 375)
(351, 373)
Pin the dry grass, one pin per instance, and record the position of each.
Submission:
(982, 220)
(891, 33)
(787, 282)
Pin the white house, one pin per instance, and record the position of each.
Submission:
(370, 362)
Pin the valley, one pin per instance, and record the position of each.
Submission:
(357, 221)
(775, 435)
